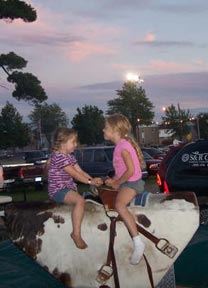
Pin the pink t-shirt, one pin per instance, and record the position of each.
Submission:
(119, 164)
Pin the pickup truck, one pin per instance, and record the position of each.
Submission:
(13, 175)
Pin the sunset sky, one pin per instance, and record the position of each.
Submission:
(82, 50)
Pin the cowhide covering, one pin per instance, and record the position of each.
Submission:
(42, 231)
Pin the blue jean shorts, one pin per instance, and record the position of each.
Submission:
(60, 195)
(137, 186)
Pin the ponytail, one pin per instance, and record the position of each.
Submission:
(138, 152)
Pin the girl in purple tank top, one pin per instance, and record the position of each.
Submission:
(127, 161)
(62, 170)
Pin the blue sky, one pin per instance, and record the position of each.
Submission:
(82, 50)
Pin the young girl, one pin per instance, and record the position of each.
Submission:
(62, 169)
(127, 161)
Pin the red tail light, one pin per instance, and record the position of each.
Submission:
(159, 182)
(21, 175)
(3, 174)
(166, 189)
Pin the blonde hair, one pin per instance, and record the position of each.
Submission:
(62, 135)
(121, 124)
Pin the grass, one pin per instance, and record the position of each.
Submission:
(29, 193)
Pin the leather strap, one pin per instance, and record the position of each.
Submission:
(104, 273)
(149, 270)
(161, 244)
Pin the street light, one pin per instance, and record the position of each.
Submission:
(197, 125)
(134, 78)
(137, 130)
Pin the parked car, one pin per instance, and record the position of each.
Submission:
(36, 156)
(15, 175)
(97, 160)
(154, 152)
(152, 164)
(185, 168)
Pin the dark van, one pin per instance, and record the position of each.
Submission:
(97, 160)
(185, 169)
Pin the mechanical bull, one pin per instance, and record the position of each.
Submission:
(165, 222)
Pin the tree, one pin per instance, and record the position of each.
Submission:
(202, 125)
(13, 9)
(27, 86)
(47, 118)
(133, 103)
(177, 121)
(89, 122)
(13, 132)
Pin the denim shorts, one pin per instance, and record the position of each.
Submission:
(60, 195)
(137, 185)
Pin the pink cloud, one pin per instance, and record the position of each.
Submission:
(162, 66)
(79, 51)
(149, 37)
(159, 66)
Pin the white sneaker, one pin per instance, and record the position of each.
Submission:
(138, 252)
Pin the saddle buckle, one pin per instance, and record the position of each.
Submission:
(104, 273)
(167, 248)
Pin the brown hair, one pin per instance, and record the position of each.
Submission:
(62, 135)
(121, 124)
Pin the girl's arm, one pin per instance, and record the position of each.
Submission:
(77, 173)
(81, 171)
(115, 183)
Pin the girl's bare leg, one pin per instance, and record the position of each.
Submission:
(77, 215)
(125, 196)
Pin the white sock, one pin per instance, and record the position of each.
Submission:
(138, 252)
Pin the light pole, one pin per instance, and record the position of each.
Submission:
(135, 78)
(137, 130)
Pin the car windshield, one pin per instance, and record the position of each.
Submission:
(34, 154)
(147, 156)
(156, 151)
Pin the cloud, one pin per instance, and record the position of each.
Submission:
(79, 51)
(149, 37)
(163, 66)
(181, 7)
(151, 42)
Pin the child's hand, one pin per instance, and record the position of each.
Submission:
(112, 182)
(97, 181)
(109, 181)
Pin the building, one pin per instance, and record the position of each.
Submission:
(150, 135)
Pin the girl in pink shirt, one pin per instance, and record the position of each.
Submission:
(127, 161)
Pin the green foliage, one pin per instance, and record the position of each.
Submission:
(89, 122)
(27, 87)
(177, 121)
(49, 117)
(13, 132)
(13, 9)
(133, 103)
(12, 61)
